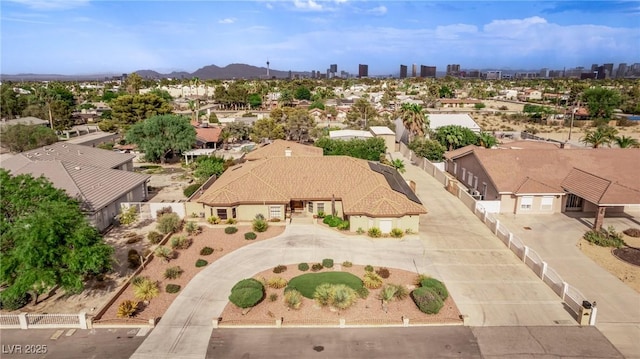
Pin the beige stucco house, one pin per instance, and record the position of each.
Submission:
(286, 179)
(550, 179)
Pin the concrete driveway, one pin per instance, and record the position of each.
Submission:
(554, 237)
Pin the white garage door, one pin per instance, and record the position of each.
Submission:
(385, 225)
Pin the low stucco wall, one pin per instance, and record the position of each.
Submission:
(364, 222)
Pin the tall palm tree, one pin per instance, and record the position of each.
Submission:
(398, 164)
(414, 119)
(626, 142)
(603, 135)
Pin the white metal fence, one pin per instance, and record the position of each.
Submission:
(35, 321)
(569, 294)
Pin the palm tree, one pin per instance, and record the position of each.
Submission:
(626, 142)
(486, 140)
(414, 119)
(603, 135)
(398, 164)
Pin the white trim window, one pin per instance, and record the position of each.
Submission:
(546, 203)
(275, 212)
(310, 207)
(470, 179)
(464, 173)
(526, 203)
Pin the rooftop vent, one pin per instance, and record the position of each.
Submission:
(287, 152)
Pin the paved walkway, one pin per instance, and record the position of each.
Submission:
(554, 237)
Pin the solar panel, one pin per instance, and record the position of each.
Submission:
(395, 180)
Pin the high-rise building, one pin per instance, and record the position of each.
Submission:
(333, 68)
(493, 75)
(453, 70)
(608, 70)
(427, 71)
(363, 70)
(544, 73)
(414, 70)
(403, 71)
(621, 71)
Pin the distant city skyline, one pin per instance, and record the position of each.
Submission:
(73, 37)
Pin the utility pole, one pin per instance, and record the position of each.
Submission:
(573, 115)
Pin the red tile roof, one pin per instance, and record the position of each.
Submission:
(208, 134)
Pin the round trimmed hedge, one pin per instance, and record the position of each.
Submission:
(437, 286)
(427, 300)
(247, 293)
(307, 283)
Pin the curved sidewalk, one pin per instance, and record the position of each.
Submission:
(185, 329)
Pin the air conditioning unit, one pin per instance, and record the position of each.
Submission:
(476, 195)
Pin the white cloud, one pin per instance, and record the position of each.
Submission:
(51, 4)
(310, 5)
(269, 6)
(453, 31)
(380, 10)
(230, 20)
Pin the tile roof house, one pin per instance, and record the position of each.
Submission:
(366, 194)
(550, 180)
(208, 137)
(278, 148)
(100, 179)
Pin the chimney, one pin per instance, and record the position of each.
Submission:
(287, 152)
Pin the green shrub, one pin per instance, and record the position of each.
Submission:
(605, 237)
(173, 272)
(279, 269)
(336, 295)
(146, 289)
(154, 237)
(250, 236)
(247, 293)
(396, 233)
(172, 288)
(316, 267)
(427, 300)
(213, 220)
(292, 299)
(138, 279)
(632, 232)
(205, 251)
(347, 264)
(201, 263)
(307, 283)
(134, 259)
(169, 223)
(14, 302)
(333, 221)
(303, 267)
(180, 242)
(437, 286)
(374, 232)
(321, 214)
(162, 211)
(230, 230)
(372, 281)
(362, 292)
(383, 272)
(360, 230)
(343, 226)
(231, 221)
(191, 189)
(164, 253)
(192, 228)
(273, 297)
(327, 263)
(368, 268)
(260, 225)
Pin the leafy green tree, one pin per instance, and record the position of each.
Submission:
(45, 239)
(455, 136)
(237, 131)
(360, 114)
(162, 135)
(286, 98)
(429, 149)
(207, 166)
(109, 96)
(130, 109)
(601, 102)
(163, 94)
(11, 104)
(299, 124)
(445, 92)
(267, 128)
(626, 142)
(316, 104)
(213, 118)
(132, 84)
(21, 137)
(370, 149)
(255, 100)
(302, 93)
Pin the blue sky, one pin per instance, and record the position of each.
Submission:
(102, 36)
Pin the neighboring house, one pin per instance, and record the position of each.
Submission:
(457, 103)
(208, 137)
(367, 194)
(349, 134)
(29, 120)
(550, 180)
(100, 179)
(437, 120)
(282, 148)
(94, 139)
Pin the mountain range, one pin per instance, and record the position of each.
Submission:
(210, 72)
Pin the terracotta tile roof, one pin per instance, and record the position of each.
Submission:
(586, 185)
(281, 179)
(548, 170)
(79, 154)
(520, 144)
(208, 134)
(277, 149)
(95, 186)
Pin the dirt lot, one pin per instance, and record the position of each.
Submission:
(627, 273)
(364, 311)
